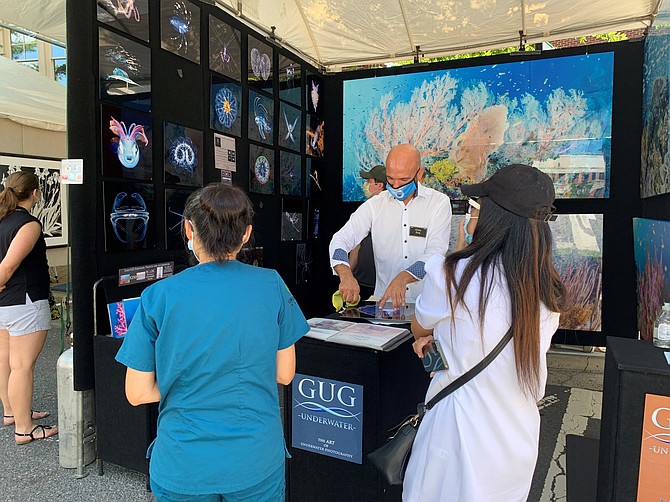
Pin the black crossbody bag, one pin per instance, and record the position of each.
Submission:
(391, 459)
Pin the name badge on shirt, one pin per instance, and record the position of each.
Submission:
(418, 231)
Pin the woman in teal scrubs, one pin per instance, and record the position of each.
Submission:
(210, 345)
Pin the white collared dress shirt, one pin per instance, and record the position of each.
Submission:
(403, 236)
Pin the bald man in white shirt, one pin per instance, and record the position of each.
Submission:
(409, 223)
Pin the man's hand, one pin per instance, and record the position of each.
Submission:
(349, 288)
(396, 290)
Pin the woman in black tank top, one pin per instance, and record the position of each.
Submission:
(24, 293)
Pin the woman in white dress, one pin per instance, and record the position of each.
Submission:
(480, 442)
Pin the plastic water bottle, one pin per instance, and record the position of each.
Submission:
(662, 328)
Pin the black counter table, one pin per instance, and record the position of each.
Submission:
(633, 368)
(393, 382)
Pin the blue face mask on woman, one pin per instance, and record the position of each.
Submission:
(468, 216)
(468, 236)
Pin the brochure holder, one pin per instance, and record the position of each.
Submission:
(124, 432)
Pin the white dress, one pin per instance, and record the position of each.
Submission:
(479, 443)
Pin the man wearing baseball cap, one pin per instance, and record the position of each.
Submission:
(375, 181)
(361, 258)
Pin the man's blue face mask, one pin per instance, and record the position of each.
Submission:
(404, 191)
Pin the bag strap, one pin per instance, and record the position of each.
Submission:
(464, 378)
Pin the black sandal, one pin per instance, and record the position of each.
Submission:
(44, 429)
(44, 414)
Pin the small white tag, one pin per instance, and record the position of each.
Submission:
(667, 357)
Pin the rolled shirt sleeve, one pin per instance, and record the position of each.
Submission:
(351, 234)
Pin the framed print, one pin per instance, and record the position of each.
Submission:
(224, 49)
(314, 97)
(127, 143)
(225, 107)
(290, 80)
(124, 71)
(52, 208)
(129, 216)
(183, 153)
(180, 28)
(129, 16)
(261, 169)
(261, 118)
(260, 65)
(314, 136)
(290, 127)
(290, 174)
(175, 201)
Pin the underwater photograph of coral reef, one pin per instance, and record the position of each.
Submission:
(655, 170)
(653, 278)
(553, 113)
(578, 257)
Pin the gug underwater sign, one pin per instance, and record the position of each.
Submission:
(327, 417)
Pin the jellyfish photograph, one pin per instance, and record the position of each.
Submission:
(290, 127)
(183, 155)
(180, 28)
(314, 136)
(128, 209)
(290, 80)
(225, 107)
(261, 118)
(224, 49)
(290, 174)
(303, 263)
(261, 170)
(124, 71)
(126, 143)
(291, 226)
(175, 200)
(129, 16)
(314, 88)
(260, 64)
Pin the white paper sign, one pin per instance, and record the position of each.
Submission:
(72, 171)
(225, 156)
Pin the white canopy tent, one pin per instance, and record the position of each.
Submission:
(336, 33)
(29, 98)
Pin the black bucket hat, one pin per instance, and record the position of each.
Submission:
(523, 190)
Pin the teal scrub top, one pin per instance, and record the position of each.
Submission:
(211, 333)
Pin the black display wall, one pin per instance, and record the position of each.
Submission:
(619, 300)
(180, 96)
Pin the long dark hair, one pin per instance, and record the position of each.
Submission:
(523, 248)
(19, 186)
(220, 214)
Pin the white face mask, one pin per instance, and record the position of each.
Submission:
(366, 190)
(189, 244)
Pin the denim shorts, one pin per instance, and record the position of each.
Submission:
(24, 319)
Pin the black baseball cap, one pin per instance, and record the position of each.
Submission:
(378, 172)
(523, 190)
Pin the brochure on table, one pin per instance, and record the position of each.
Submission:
(373, 336)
